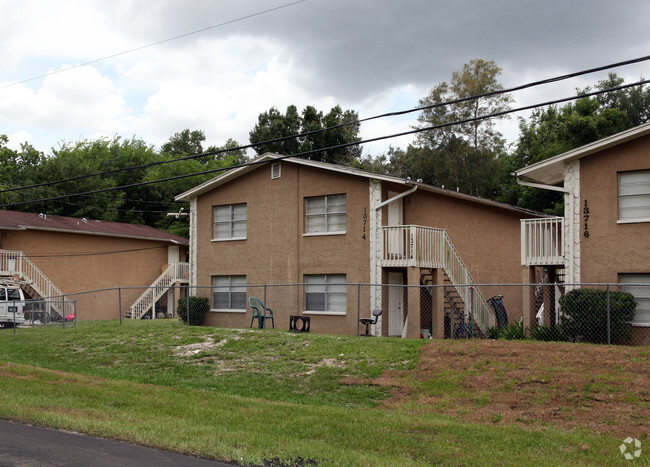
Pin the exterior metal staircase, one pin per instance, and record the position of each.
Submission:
(455, 310)
(430, 248)
(36, 284)
(176, 273)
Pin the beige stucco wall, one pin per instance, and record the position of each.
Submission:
(71, 262)
(612, 248)
(276, 251)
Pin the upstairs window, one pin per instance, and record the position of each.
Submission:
(325, 214)
(229, 222)
(325, 293)
(229, 293)
(634, 196)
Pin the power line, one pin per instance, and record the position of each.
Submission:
(355, 122)
(340, 146)
(90, 253)
(225, 23)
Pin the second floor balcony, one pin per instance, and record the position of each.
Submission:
(542, 241)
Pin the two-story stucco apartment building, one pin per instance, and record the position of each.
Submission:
(55, 256)
(294, 221)
(604, 236)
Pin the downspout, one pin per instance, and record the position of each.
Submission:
(396, 197)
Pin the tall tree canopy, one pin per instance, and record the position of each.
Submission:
(138, 204)
(273, 124)
(463, 155)
(554, 130)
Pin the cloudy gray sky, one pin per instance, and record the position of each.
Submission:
(373, 56)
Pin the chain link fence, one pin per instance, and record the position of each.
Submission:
(595, 313)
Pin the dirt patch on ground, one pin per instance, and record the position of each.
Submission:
(604, 389)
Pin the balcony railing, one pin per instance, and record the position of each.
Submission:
(541, 242)
(426, 247)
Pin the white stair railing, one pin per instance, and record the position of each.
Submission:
(426, 247)
(175, 272)
(15, 263)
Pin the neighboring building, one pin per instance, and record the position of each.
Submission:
(52, 256)
(295, 221)
(604, 236)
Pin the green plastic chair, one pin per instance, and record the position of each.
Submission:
(260, 312)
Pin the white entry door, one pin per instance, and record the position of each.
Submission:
(395, 304)
(395, 245)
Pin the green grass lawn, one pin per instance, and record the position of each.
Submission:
(248, 396)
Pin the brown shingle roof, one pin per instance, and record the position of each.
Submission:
(13, 220)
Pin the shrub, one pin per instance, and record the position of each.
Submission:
(513, 332)
(494, 333)
(199, 306)
(584, 315)
(547, 334)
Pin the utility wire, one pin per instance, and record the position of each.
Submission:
(340, 146)
(90, 253)
(354, 122)
(225, 23)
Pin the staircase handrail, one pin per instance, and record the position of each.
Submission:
(26, 269)
(429, 247)
(175, 272)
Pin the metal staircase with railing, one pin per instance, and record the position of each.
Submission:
(430, 248)
(176, 273)
(36, 284)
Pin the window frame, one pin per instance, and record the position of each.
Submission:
(332, 285)
(231, 286)
(625, 283)
(231, 222)
(643, 195)
(325, 214)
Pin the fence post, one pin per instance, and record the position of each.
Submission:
(63, 308)
(358, 306)
(187, 304)
(14, 310)
(119, 299)
(609, 330)
(471, 312)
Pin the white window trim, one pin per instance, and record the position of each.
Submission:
(322, 234)
(219, 310)
(640, 220)
(623, 285)
(230, 291)
(229, 239)
(642, 195)
(326, 312)
(275, 176)
(326, 214)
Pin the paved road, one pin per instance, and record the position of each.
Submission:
(27, 446)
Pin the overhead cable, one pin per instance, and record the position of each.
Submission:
(340, 146)
(354, 122)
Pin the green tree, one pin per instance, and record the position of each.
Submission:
(272, 125)
(464, 155)
(165, 192)
(17, 169)
(555, 130)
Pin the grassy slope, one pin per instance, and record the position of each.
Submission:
(249, 395)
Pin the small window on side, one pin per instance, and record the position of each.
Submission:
(276, 170)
